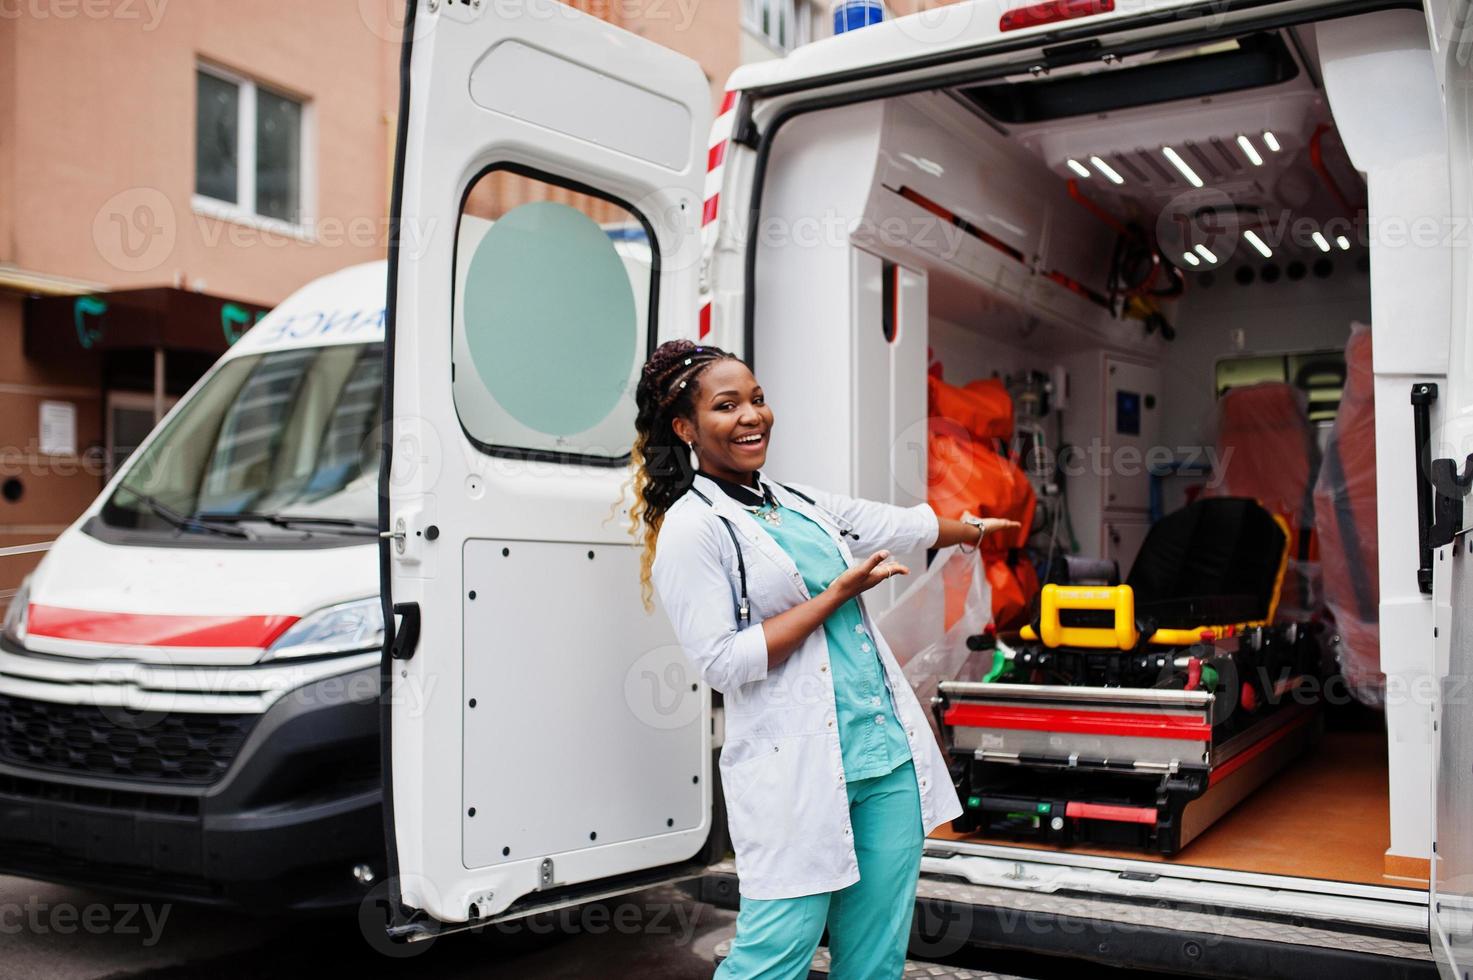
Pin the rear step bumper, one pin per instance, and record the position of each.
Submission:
(1172, 937)
(914, 969)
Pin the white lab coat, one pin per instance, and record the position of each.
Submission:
(781, 766)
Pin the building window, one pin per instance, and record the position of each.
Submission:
(784, 24)
(249, 149)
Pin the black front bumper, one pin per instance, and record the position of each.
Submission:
(281, 831)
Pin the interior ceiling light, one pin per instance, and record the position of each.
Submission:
(1343, 242)
(1250, 149)
(1271, 141)
(1180, 164)
(1107, 170)
(1258, 243)
(1319, 240)
(1191, 259)
(1078, 167)
(1206, 253)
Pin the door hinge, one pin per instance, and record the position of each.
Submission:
(743, 130)
(398, 536)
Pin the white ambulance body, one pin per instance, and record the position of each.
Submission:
(546, 739)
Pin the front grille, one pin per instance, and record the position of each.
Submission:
(125, 800)
(174, 747)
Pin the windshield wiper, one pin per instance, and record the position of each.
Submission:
(189, 523)
(347, 525)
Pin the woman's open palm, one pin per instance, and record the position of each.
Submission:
(869, 573)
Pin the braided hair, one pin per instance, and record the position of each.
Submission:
(667, 390)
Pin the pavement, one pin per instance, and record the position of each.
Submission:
(60, 933)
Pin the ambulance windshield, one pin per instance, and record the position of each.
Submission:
(283, 443)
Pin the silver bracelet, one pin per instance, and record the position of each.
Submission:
(977, 523)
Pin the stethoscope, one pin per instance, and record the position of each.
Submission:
(744, 611)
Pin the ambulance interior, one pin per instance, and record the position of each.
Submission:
(1114, 289)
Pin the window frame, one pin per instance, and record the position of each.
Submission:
(244, 210)
(652, 310)
(1285, 359)
(126, 399)
(800, 15)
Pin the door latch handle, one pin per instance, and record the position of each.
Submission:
(398, 535)
(1449, 487)
(406, 637)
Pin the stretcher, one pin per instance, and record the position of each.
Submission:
(1135, 714)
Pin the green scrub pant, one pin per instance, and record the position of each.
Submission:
(868, 921)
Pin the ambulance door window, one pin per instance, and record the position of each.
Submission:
(554, 298)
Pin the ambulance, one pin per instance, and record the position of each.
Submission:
(1118, 209)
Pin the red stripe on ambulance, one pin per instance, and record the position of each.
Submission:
(151, 629)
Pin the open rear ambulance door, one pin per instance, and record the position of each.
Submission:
(1451, 912)
(545, 742)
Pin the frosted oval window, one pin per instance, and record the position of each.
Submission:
(551, 319)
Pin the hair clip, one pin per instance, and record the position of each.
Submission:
(687, 361)
(682, 384)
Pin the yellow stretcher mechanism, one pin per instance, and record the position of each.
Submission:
(1125, 634)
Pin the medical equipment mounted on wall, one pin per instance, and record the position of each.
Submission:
(1137, 714)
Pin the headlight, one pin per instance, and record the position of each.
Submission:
(345, 628)
(15, 614)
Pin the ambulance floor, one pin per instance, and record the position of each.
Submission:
(1323, 816)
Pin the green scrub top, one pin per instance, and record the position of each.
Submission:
(870, 736)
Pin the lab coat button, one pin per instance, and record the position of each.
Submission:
(831, 723)
(859, 628)
(879, 719)
(823, 667)
(865, 647)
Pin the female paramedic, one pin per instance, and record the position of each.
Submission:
(831, 774)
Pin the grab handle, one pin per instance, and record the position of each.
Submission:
(1423, 395)
(406, 637)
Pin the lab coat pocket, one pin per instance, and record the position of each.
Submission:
(736, 777)
(762, 812)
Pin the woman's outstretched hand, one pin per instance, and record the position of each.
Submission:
(867, 574)
(991, 525)
(950, 531)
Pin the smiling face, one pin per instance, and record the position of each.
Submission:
(731, 425)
